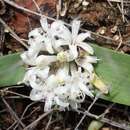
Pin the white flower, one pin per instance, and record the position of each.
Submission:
(36, 77)
(60, 31)
(59, 78)
(36, 95)
(45, 60)
(35, 36)
(78, 40)
(29, 60)
(82, 80)
(86, 62)
(44, 24)
(60, 68)
(73, 40)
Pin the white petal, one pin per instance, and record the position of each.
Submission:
(26, 59)
(73, 51)
(57, 45)
(74, 91)
(73, 68)
(49, 47)
(61, 103)
(86, 47)
(83, 63)
(89, 67)
(47, 43)
(74, 105)
(43, 73)
(36, 86)
(88, 59)
(82, 36)
(45, 60)
(36, 95)
(27, 77)
(61, 42)
(35, 34)
(75, 28)
(91, 59)
(63, 71)
(59, 30)
(85, 89)
(32, 52)
(76, 94)
(36, 77)
(62, 91)
(51, 83)
(48, 103)
(44, 24)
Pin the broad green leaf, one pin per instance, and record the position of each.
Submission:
(114, 70)
(11, 70)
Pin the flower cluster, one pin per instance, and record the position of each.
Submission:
(60, 69)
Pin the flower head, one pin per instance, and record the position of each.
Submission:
(60, 67)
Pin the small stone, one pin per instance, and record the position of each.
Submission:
(116, 37)
(76, 5)
(114, 29)
(79, 1)
(85, 3)
(84, 8)
(57, 128)
(102, 30)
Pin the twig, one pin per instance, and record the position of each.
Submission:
(58, 9)
(120, 43)
(10, 127)
(106, 111)
(21, 95)
(37, 6)
(27, 109)
(95, 99)
(13, 4)
(109, 2)
(105, 120)
(11, 87)
(34, 123)
(13, 33)
(25, 112)
(16, 118)
(1, 111)
(29, 23)
(5, 90)
(49, 122)
(87, 111)
(115, 1)
(37, 108)
(119, 1)
(13, 97)
(121, 10)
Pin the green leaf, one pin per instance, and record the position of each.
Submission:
(11, 69)
(114, 70)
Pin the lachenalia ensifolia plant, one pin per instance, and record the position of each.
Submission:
(60, 65)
